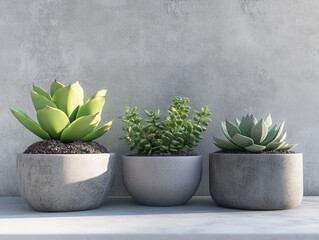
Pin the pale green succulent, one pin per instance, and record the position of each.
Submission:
(63, 115)
(252, 135)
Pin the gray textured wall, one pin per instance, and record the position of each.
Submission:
(235, 56)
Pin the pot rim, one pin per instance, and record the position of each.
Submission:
(60, 154)
(175, 156)
(258, 154)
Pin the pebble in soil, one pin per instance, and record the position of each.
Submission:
(57, 147)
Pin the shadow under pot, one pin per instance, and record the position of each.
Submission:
(162, 180)
(256, 181)
(65, 182)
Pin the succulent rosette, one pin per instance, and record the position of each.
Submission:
(249, 134)
(63, 115)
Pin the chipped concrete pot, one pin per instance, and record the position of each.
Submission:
(65, 182)
(256, 181)
(162, 180)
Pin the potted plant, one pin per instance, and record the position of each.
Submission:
(255, 168)
(66, 171)
(163, 172)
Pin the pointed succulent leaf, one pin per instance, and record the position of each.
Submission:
(242, 141)
(68, 100)
(55, 86)
(246, 124)
(97, 132)
(242, 119)
(255, 148)
(42, 92)
(100, 93)
(79, 89)
(259, 131)
(275, 146)
(288, 146)
(28, 123)
(53, 121)
(282, 137)
(91, 107)
(272, 133)
(254, 119)
(279, 132)
(80, 128)
(268, 120)
(39, 101)
(232, 129)
(238, 122)
(224, 129)
(225, 145)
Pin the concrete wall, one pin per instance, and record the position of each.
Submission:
(235, 56)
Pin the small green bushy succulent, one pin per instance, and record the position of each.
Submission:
(63, 115)
(173, 135)
(249, 134)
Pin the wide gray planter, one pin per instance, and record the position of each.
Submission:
(256, 181)
(162, 181)
(65, 182)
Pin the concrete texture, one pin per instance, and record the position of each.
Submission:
(256, 181)
(237, 57)
(162, 181)
(122, 219)
(65, 182)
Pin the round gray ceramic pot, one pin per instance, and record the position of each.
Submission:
(162, 181)
(256, 181)
(65, 182)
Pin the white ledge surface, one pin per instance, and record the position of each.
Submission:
(121, 218)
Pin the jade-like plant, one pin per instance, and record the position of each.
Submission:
(174, 134)
(249, 134)
(63, 115)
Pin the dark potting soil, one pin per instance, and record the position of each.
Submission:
(263, 152)
(57, 147)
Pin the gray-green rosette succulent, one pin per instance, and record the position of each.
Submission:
(249, 134)
(63, 115)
